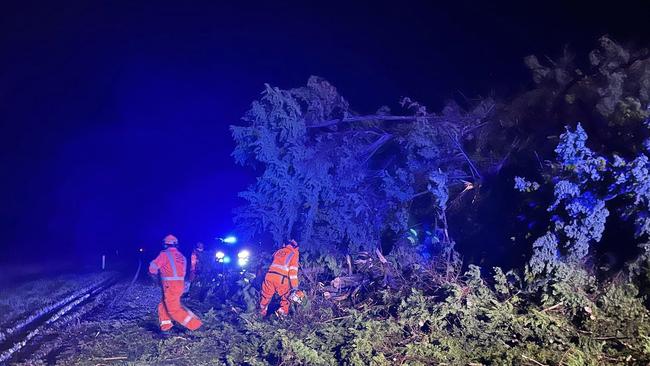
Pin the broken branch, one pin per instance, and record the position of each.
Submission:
(370, 117)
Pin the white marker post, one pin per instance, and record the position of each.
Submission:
(103, 262)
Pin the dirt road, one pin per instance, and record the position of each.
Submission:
(38, 312)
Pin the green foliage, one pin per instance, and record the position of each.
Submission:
(464, 322)
(468, 321)
(609, 92)
(423, 319)
(341, 180)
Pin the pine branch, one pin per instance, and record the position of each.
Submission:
(369, 117)
(473, 168)
(372, 149)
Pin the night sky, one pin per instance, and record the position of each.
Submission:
(115, 115)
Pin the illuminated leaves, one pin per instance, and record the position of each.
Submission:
(342, 180)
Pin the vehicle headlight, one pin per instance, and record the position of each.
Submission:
(220, 256)
(242, 257)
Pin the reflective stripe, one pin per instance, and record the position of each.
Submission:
(173, 264)
(286, 261)
(172, 278)
(165, 322)
(187, 319)
(293, 277)
(284, 268)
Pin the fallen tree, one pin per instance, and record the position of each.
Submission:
(375, 198)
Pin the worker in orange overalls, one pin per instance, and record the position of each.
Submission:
(281, 278)
(170, 264)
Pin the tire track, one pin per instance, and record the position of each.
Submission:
(20, 336)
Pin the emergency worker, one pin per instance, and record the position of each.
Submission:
(196, 261)
(281, 278)
(200, 273)
(171, 265)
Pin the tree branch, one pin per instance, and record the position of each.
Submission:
(533, 361)
(368, 117)
(419, 194)
(472, 169)
(372, 149)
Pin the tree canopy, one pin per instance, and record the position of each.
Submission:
(338, 180)
(342, 180)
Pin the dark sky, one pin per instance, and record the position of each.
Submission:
(115, 114)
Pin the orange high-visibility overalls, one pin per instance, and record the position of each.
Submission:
(171, 263)
(281, 278)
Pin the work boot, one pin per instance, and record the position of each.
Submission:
(192, 336)
(281, 315)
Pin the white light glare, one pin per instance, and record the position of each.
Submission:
(242, 257)
(220, 255)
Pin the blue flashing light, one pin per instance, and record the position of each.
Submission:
(229, 239)
(226, 259)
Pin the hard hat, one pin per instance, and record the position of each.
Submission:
(297, 296)
(170, 240)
